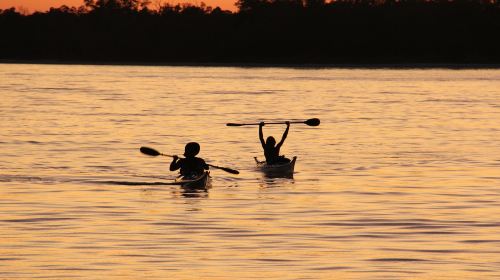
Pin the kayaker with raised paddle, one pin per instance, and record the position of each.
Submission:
(191, 166)
(271, 150)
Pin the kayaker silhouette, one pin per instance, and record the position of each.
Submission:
(191, 166)
(272, 152)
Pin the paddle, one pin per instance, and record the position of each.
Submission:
(309, 122)
(152, 152)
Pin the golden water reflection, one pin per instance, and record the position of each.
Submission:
(400, 180)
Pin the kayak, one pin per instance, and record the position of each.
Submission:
(199, 182)
(280, 169)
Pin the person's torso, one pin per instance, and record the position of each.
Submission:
(192, 166)
(271, 154)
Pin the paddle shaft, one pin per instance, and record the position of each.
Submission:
(309, 122)
(153, 152)
(214, 166)
(211, 165)
(241, 124)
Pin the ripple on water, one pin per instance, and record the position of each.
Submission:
(395, 183)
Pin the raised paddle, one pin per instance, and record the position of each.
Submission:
(309, 122)
(152, 152)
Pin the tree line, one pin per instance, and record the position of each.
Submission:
(260, 31)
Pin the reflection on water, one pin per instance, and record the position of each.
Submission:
(400, 180)
(194, 192)
(275, 182)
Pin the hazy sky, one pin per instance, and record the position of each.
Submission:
(43, 5)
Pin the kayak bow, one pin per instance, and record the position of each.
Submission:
(277, 170)
(199, 182)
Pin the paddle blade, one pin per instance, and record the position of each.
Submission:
(228, 170)
(312, 122)
(149, 151)
(233, 124)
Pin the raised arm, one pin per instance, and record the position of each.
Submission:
(285, 134)
(261, 135)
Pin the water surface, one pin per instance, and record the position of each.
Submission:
(400, 181)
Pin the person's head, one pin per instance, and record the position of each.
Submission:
(191, 149)
(270, 141)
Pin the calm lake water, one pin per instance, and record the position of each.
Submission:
(400, 181)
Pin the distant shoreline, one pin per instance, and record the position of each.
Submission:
(456, 66)
(310, 34)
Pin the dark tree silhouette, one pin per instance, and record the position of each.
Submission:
(131, 5)
(261, 31)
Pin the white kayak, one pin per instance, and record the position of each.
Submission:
(278, 169)
(198, 182)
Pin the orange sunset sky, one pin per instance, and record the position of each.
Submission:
(43, 5)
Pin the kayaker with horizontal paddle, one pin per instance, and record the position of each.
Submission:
(271, 149)
(190, 166)
(154, 153)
